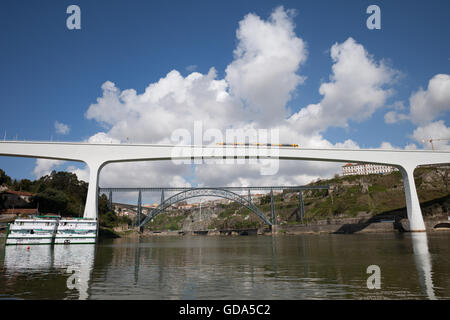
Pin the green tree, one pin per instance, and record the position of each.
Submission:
(68, 183)
(51, 201)
(265, 199)
(4, 179)
(24, 185)
(107, 218)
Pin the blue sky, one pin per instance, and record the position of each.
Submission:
(49, 73)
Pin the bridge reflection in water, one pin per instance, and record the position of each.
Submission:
(423, 263)
(286, 267)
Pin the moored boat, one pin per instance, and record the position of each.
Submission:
(51, 230)
(76, 231)
(36, 230)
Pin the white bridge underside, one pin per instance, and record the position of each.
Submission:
(98, 155)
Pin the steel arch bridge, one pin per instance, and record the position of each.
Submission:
(202, 192)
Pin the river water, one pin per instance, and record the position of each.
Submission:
(411, 266)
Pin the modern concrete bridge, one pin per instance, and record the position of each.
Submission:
(97, 156)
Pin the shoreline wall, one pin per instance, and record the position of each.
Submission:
(340, 226)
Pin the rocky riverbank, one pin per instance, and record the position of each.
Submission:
(352, 226)
(336, 226)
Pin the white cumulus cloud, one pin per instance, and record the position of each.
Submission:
(45, 166)
(427, 105)
(267, 58)
(61, 128)
(191, 67)
(357, 88)
(258, 84)
(435, 131)
(394, 117)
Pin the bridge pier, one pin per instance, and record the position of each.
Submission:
(139, 210)
(272, 209)
(415, 218)
(91, 207)
(110, 200)
(301, 207)
(274, 229)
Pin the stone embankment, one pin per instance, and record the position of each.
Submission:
(337, 226)
(350, 226)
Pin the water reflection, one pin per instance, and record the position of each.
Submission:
(75, 262)
(79, 262)
(423, 263)
(208, 268)
(25, 259)
(274, 255)
(137, 262)
(282, 267)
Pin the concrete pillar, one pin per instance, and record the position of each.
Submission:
(274, 229)
(272, 209)
(415, 218)
(139, 210)
(91, 207)
(301, 207)
(110, 200)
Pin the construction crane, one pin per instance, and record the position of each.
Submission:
(431, 141)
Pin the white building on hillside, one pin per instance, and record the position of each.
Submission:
(366, 168)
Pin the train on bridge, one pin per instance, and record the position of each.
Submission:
(258, 144)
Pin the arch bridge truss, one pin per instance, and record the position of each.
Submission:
(204, 192)
(220, 192)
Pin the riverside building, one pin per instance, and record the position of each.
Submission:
(365, 169)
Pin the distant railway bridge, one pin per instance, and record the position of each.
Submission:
(229, 193)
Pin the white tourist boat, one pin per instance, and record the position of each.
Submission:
(37, 230)
(51, 230)
(76, 231)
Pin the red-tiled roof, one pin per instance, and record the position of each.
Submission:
(19, 211)
(348, 165)
(19, 193)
